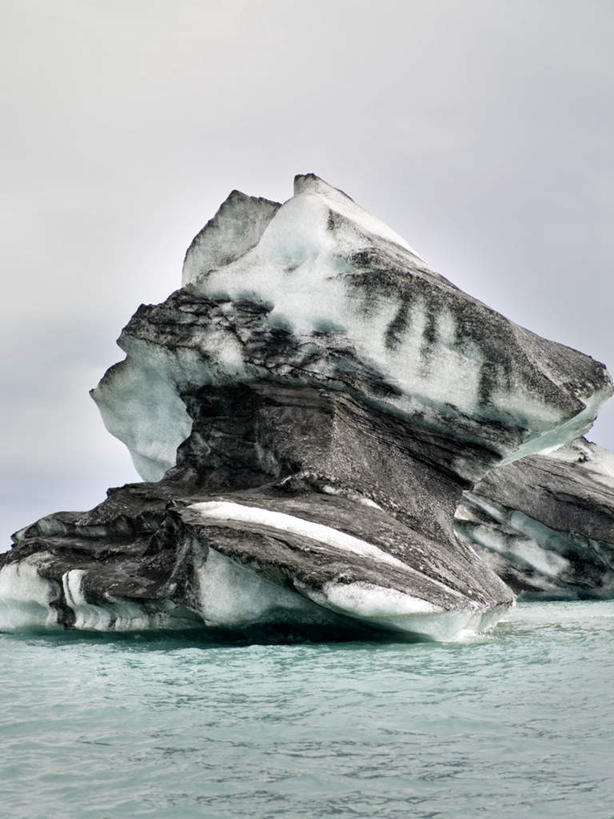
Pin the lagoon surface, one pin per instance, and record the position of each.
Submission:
(516, 724)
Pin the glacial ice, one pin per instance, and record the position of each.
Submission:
(593, 459)
(225, 510)
(117, 614)
(150, 418)
(324, 426)
(546, 523)
(25, 596)
(396, 611)
(233, 596)
(357, 309)
(235, 229)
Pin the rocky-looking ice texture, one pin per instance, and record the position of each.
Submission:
(306, 412)
(545, 523)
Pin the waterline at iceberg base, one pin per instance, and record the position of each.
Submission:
(332, 438)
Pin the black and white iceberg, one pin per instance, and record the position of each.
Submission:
(310, 413)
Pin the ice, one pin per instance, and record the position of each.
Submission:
(594, 459)
(230, 596)
(26, 597)
(524, 549)
(393, 610)
(141, 407)
(296, 268)
(349, 493)
(561, 434)
(545, 562)
(235, 229)
(87, 615)
(340, 203)
(116, 613)
(372, 602)
(302, 261)
(317, 298)
(233, 596)
(139, 398)
(228, 510)
(549, 559)
(291, 267)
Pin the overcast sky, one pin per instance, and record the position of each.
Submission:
(480, 131)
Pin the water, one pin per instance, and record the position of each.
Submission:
(519, 724)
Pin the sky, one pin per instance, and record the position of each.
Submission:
(481, 131)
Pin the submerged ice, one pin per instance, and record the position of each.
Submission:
(320, 420)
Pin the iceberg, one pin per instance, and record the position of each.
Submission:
(310, 413)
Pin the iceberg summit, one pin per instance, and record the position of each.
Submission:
(331, 436)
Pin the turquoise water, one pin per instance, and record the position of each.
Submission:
(519, 724)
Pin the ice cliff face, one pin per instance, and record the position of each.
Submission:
(307, 412)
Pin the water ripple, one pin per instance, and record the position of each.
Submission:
(516, 725)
